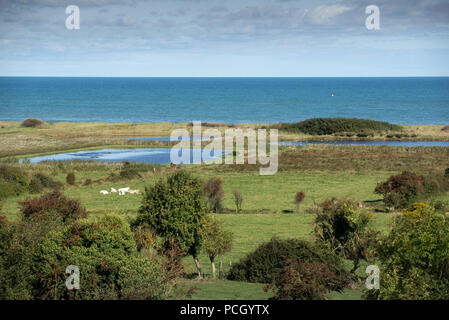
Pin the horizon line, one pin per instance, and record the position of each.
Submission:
(47, 76)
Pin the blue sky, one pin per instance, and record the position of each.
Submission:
(241, 38)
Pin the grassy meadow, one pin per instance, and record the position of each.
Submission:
(322, 172)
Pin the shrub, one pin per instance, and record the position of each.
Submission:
(217, 242)
(445, 128)
(400, 190)
(214, 193)
(105, 252)
(299, 198)
(269, 259)
(68, 209)
(343, 229)
(238, 200)
(18, 242)
(70, 179)
(305, 280)
(40, 181)
(324, 126)
(32, 123)
(174, 209)
(414, 257)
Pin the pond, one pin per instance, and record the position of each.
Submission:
(148, 155)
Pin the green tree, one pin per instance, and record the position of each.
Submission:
(343, 229)
(217, 242)
(174, 209)
(414, 257)
(105, 252)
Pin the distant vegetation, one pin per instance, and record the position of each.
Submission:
(15, 181)
(32, 123)
(323, 126)
(401, 190)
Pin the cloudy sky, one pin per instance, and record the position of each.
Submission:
(246, 38)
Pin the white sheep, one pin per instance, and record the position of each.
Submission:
(134, 191)
(122, 191)
(113, 190)
(104, 192)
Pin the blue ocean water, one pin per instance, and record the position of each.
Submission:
(232, 100)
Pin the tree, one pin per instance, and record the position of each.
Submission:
(214, 193)
(299, 198)
(105, 252)
(238, 200)
(414, 257)
(217, 242)
(343, 229)
(174, 209)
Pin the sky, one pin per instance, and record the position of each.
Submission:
(234, 38)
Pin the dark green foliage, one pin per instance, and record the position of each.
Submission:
(305, 280)
(15, 181)
(105, 252)
(414, 257)
(18, 243)
(269, 259)
(174, 209)
(214, 194)
(70, 179)
(67, 209)
(32, 123)
(343, 229)
(323, 126)
(403, 189)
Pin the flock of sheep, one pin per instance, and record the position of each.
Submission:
(121, 191)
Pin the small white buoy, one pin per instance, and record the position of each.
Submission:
(332, 95)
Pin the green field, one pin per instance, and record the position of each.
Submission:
(322, 172)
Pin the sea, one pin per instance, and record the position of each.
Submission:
(420, 100)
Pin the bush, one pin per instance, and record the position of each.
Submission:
(174, 209)
(343, 229)
(70, 179)
(40, 181)
(403, 189)
(18, 242)
(414, 257)
(304, 280)
(55, 201)
(324, 126)
(445, 128)
(32, 123)
(264, 263)
(214, 194)
(238, 200)
(105, 252)
(15, 181)
(299, 198)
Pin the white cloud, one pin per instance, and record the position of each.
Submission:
(325, 14)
